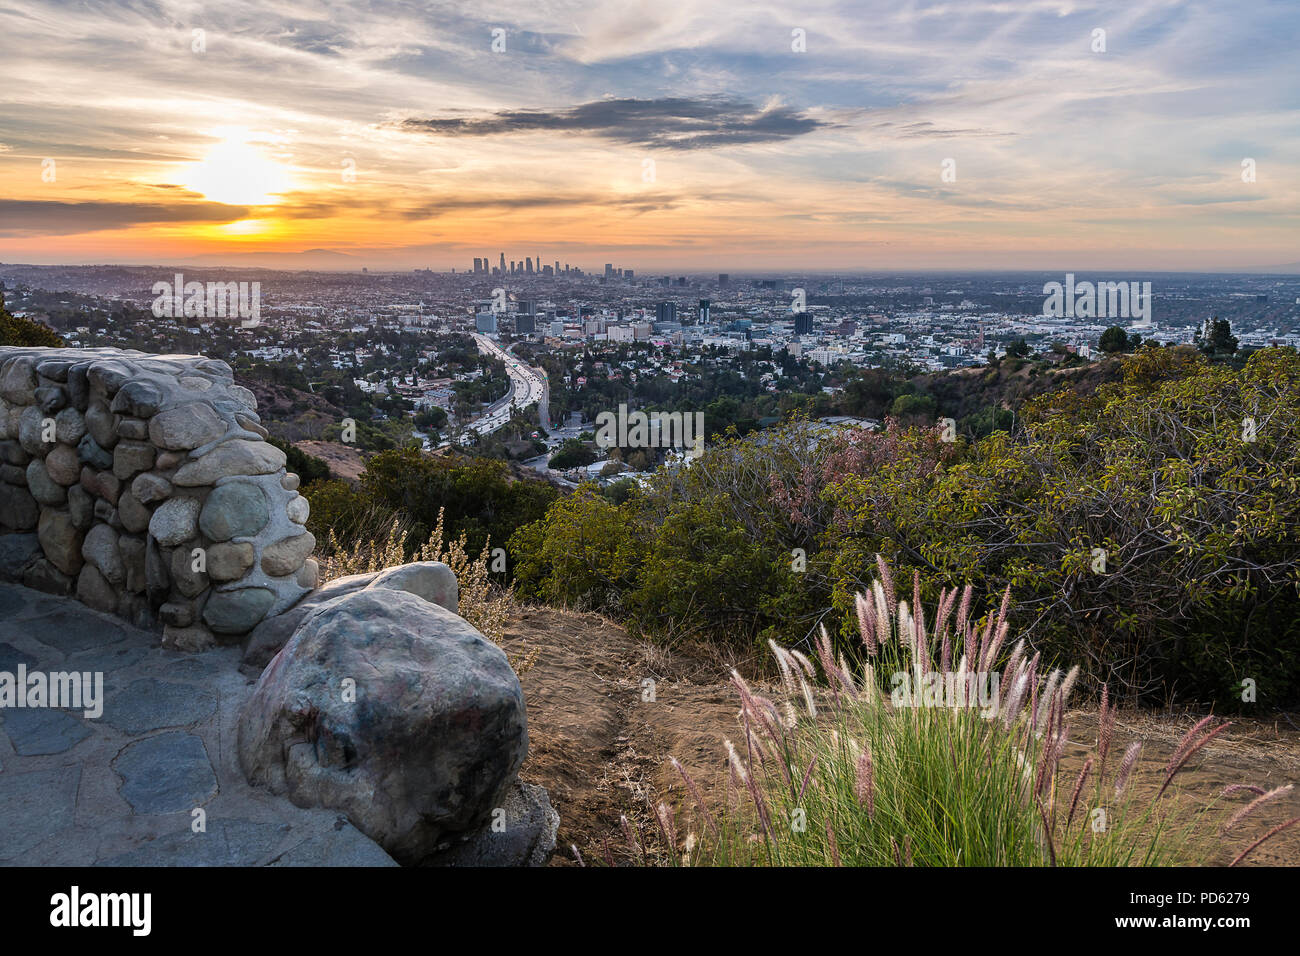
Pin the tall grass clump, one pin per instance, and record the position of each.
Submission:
(386, 542)
(886, 764)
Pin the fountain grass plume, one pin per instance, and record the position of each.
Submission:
(877, 782)
(1259, 801)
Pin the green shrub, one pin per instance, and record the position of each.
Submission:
(480, 496)
(336, 506)
(1199, 529)
(581, 554)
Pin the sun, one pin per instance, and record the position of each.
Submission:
(237, 172)
(245, 227)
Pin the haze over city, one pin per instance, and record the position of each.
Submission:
(834, 136)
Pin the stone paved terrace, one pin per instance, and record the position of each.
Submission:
(120, 789)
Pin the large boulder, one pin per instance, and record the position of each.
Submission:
(265, 640)
(431, 580)
(394, 711)
(522, 834)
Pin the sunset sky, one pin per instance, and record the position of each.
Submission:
(677, 134)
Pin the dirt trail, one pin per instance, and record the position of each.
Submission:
(1259, 753)
(601, 747)
(596, 741)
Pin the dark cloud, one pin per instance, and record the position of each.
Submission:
(671, 123)
(20, 217)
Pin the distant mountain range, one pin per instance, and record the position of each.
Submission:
(323, 259)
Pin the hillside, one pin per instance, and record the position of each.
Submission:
(290, 413)
(601, 751)
(345, 461)
(966, 391)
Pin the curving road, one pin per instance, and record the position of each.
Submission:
(527, 386)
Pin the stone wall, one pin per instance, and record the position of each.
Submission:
(142, 484)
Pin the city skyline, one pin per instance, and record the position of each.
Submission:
(834, 137)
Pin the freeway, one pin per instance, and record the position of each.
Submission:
(527, 387)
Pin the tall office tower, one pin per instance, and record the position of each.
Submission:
(803, 323)
(528, 264)
(666, 312)
(609, 270)
(525, 324)
(557, 267)
(503, 263)
(628, 273)
(723, 279)
(476, 262)
(704, 312)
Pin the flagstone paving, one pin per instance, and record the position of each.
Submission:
(123, 788)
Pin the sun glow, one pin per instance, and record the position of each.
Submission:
(237, 172)
(245, 227)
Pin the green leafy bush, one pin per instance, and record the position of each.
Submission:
(1151, 527)
(480, 496)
